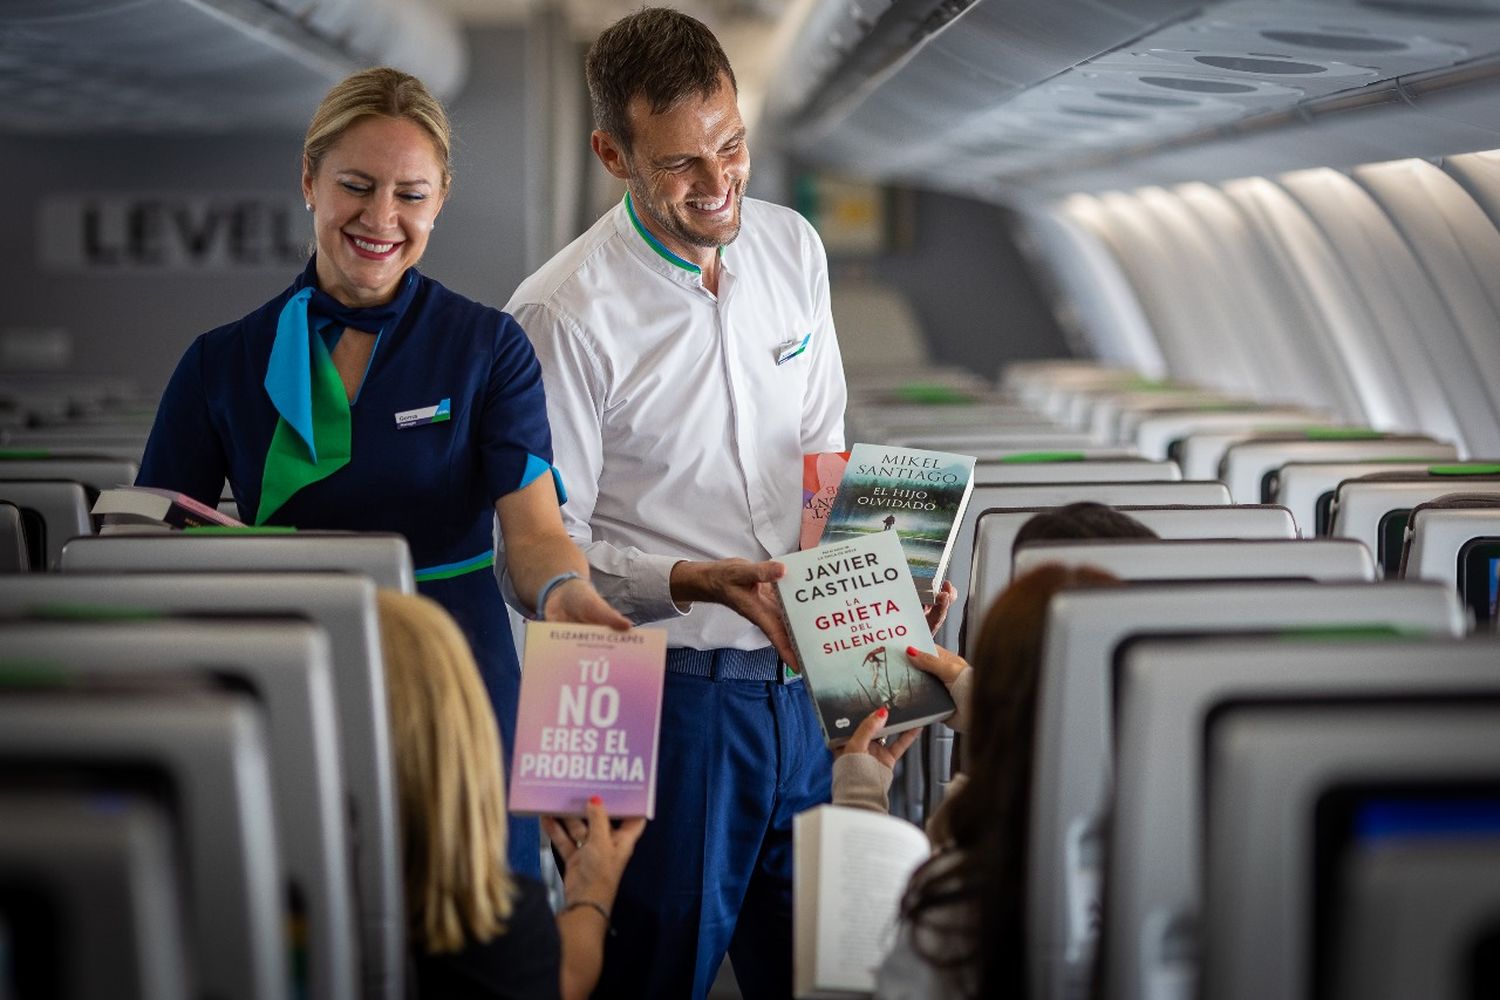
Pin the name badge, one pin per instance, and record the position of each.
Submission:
(789, 350)
(424, 415)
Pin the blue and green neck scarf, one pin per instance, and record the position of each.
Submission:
(312, 438)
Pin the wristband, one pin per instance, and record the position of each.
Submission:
(592, 904)
(546, 592)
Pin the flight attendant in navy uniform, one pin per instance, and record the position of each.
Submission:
(368, 397)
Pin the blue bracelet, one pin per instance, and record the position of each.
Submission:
(546, 592)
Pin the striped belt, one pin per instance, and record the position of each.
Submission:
(730, 664)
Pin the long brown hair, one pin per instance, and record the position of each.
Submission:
(966, 906)
(452, 802)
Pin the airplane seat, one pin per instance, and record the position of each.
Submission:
(383, 556)
(90, 895)
(1167, 693)
(1353, 849)
(1456, 540)
(1206, 559)
(1248, 466)
(1374, 509)
(342, 605)
(15, 556)
(208, 748)
(94, 472)
(285, 665)
(1086, 630)
(53, 512)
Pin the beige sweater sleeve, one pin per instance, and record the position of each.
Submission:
(861, 781)
(962, 693)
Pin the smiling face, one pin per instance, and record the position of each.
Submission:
(686, 169)
(375, 195)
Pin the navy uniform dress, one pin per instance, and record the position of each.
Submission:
(434, 481)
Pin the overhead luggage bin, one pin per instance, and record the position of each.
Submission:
(52, 513)
(1363, 829)
(1083, 470)
(286, 664)
(1073, 764)
(1156, 433)
(1374, 510)
(1307, 488)
(1324, 559)
(1037, 496)
(211, 749)
(1167, 692)
(343, 604)
(383, 557)
(97, 877)
(1247, 465)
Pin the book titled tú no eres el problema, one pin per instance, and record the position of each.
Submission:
(915, 494)
(588, 720)
(852, 611)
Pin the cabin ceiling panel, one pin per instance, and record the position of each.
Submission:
(1132, 89)
(91, 66)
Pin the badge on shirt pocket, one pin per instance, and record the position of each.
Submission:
(423, 415)
(789, 350)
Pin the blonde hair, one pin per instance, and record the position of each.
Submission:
(452, 799)
(380, 92)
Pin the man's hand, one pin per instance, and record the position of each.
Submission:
(746, 588)
(941, 602)
(577, 601)
(863, 740)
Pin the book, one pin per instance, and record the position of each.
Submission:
(851, 611)
(850, 868)
(146, 505)
(588, 720)
(821, 472)
(919, 495)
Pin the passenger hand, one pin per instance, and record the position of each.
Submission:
(577, 601)
(863, 740)
(747, 588)
(941, 602)
(944, 664)
(594, 853)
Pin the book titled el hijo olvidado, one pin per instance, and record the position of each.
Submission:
(588, 720)
(915, 494)
(852, 611)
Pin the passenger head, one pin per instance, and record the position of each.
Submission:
(667, 122)
(375, 172)
(984, 873)
(447, 753)
(1081, 521)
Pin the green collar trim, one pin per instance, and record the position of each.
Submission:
(656, 244)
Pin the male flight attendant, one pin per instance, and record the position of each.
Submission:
(689, 360)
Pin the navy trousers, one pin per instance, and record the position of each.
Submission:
(713, 871)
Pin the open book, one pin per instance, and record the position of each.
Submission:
(850, 868)
(147, 506)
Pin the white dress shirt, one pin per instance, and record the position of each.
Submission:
(679, 418)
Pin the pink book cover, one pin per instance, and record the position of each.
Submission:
(821, 472)
(588, 721)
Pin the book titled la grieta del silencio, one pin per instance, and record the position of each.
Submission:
(852, 611)
(588, 720)
(915, 494)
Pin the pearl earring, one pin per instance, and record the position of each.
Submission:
(307, 205)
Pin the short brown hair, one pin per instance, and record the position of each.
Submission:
(659, 54)
(381, 92)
